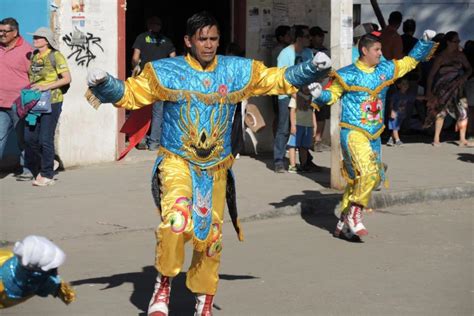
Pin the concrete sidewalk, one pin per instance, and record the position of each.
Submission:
(114, 197)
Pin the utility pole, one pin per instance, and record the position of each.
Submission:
(341, 55)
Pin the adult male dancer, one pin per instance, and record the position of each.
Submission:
(192, 175)
(362, 87)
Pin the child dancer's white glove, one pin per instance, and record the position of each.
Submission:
(315, 89)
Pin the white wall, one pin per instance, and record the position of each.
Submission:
(86, 135)
(439, 15)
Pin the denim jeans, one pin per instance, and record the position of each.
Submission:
(9, 120)
(153, 140)
(39, 139)
(282, 132)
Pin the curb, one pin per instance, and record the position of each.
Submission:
(329, 204)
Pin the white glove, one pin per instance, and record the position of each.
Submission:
(315, 89)
(95, 76)
(322, 61)
(39, 252)
(428, 35)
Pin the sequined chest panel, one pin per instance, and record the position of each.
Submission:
(364, 106)
(197, 123)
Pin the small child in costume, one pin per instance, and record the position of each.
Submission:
(32, 269)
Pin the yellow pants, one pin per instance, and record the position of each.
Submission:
(362, 167)
(176, 227)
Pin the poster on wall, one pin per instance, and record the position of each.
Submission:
(280, 13)
(267, 18)
(78, 23)
(253, 19)
(346, 31)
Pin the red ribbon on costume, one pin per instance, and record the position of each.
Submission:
(136, 127)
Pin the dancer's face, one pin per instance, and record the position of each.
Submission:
(372, 54)
(203, 44)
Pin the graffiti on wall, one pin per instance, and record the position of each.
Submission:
(84, 53)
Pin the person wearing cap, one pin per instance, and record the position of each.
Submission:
(14, 65)
(48, 72)
(362, 87)
(149, 46)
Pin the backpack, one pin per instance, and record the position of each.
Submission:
(52, 60)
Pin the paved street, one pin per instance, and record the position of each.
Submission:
(417, 260)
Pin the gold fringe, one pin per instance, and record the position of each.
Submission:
(315, 106)
(432, 51)
(92, 99)
(372, 93)
(345, 173)
(240, 233)
(66, 293)
(225, 163)
(363, 131)
(163, 93)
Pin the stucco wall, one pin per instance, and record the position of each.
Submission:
(86, 135)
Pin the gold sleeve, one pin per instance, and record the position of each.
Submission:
(270, 81)
(403, 66)
(335, 91)
(140, 91)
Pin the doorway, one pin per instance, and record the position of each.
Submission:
(174, 21)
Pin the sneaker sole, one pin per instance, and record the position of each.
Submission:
(36, 184)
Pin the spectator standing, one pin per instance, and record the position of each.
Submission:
(408, 39)
(469, 87)
(149, 46)
(392, 45)
(445, 88)
(283, 37)
(317, 45)
(291, 55)
(302, 130)
(14, 64)
(48, 71)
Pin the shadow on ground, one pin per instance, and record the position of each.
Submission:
(466, 157)
(322, 176)
(182, 301)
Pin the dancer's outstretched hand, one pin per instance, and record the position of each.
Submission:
(428, 35)
(315, 89)
(39, 252)
(95, 76)
(322, 61)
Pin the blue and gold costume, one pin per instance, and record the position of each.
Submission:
(362, 90)
(192, 177)
(17, 283)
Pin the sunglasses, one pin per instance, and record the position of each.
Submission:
(6, 31)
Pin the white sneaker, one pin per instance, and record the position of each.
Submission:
(161, 297)
(390, 142)
(354, 221)
(42, 181)
(55, 165)
(204, 305)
